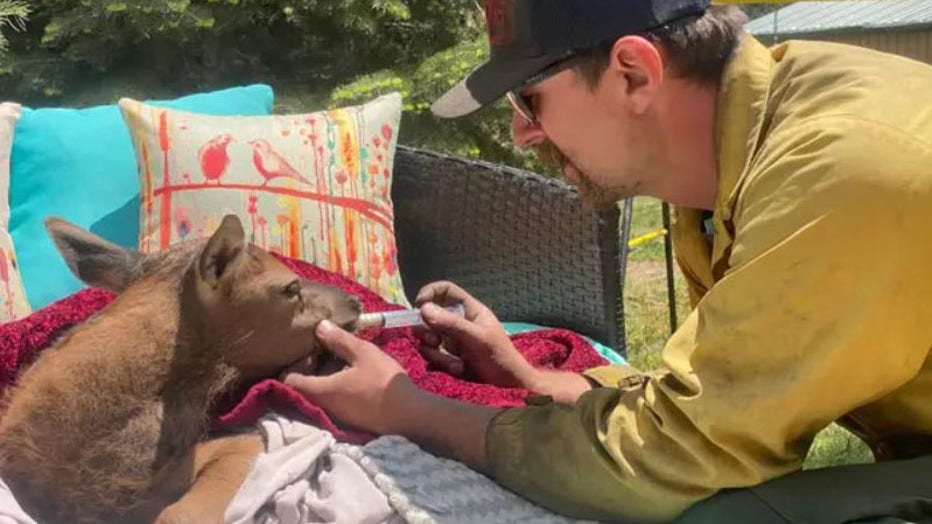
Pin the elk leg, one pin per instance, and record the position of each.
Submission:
(219, 468)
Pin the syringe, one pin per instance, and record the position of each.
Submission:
(400, 318)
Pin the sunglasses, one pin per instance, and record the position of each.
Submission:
(522, 103)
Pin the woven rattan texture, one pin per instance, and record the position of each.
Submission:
(521, 243)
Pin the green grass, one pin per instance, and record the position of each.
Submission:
(648, 327)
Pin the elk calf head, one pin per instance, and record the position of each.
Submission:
(233, 297)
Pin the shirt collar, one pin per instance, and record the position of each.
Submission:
(740, 111)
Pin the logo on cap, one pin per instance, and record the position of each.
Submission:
(498, 15)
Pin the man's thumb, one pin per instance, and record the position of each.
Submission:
(341, 343)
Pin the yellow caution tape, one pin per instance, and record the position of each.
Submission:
(647, 237)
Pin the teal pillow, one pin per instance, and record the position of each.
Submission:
(513, 328)
(79, 164)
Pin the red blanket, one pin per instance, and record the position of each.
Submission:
(21, 341)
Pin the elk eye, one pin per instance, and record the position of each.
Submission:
(293, 290)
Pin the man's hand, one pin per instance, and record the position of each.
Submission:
(476, 344)
(367, 392)
(373, 393)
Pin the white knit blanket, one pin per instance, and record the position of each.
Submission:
(423, 488)
(305, 476)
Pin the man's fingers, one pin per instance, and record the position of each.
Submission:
(342, 343)
(310, 385)
(443, 293)
(430, 293)
(427, 337)
(442, 360)
(446, 322)
(447, 294)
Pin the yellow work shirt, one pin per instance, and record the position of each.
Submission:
(812, 304)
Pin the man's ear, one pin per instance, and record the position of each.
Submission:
(97, 262)
(641, 64)
(223, 249)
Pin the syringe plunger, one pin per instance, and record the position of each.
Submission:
(400, 318)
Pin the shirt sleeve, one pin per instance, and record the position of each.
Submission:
(824, 308)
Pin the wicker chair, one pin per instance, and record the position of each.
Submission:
(521, 243)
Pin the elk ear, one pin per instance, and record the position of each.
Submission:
(223, 249)
(97, 262)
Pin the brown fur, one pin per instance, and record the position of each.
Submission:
(110, 423)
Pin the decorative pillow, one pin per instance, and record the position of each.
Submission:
(13, 303)
(79, 164)
(316, 186)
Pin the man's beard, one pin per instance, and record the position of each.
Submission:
(592, 195)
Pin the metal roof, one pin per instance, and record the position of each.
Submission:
(819, 17)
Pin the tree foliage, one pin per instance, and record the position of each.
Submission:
(13, 16)
(315, 53)
(178, 45)
(485, 134)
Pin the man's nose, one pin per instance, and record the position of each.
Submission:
(524, 133)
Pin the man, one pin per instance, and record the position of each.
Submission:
(802, 176)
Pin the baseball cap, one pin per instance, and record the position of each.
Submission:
(527, 36)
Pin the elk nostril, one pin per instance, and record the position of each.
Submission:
(355, 305)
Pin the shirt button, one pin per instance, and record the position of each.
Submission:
(632, 382)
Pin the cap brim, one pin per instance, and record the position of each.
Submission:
(487, 84)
